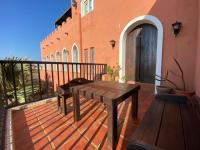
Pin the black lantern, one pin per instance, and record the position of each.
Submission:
(66, 33)
(74, 3)
(112, 43)
(176, 28)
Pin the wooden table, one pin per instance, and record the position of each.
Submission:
(168, 125)
(111, 94)
(64, 92)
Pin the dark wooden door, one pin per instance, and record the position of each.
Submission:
(141, 54)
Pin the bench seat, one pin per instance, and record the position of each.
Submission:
(169, 124)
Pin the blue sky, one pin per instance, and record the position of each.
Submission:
(24, 23)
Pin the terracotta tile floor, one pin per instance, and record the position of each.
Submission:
(42, 127)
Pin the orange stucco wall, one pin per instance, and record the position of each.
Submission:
(107, 21)
(197, 79)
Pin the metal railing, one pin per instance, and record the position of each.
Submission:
(23, 82)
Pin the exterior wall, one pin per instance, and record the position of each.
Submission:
(197, 79)
(107, 21)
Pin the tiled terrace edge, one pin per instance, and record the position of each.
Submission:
(9, 136)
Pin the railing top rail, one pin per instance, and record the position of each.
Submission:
(46, 62)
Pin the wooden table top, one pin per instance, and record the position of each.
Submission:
(104, 90)
(170, 126)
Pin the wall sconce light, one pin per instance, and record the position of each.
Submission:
(74, 3)
(176, 28)
(66, 33)
(112, 43)
(58, 38)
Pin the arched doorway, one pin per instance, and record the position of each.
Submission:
(141, 48)
(146, 19)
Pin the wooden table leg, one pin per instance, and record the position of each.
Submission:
(65, 105)
(135, 105)
(58, 102)
(76, 105)
(112, 126)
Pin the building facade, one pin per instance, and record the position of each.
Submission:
(111, 32)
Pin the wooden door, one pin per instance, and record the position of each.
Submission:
(141, 54)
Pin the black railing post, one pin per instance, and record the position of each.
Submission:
(58, 74)
(23, 82)
(4, 83)
(40, 89)
(68, 78)
(63, 73)
(93, 72)
(14, 83)
(80, 70)
(100, 70)
(72, 71)
(76, 70)
(31, 80)
(90, 72)
(46, 79)
(52, 76)
(95, 77)
(87, 71)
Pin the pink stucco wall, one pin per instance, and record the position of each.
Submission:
(107, 21)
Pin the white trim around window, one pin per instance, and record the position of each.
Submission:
(86, 7)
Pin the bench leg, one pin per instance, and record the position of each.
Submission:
(112, 126)
(76, 105)
(135, 105)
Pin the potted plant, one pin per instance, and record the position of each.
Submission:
(112, 73)
(176, 90)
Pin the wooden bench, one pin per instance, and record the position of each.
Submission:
(171, 123)
(64, 92)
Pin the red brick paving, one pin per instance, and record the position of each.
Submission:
(42, 127)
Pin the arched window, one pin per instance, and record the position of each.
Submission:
(74, 56)
(65, 58)
(57, 58)
(86, 6)
(51, 57)
(92, 58)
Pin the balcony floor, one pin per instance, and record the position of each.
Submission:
(42, 127)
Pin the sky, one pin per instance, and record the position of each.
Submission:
(24, 23)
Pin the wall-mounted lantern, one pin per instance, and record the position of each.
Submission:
(176, 28)
(112, 43)
(74, 3)
(66, 33)
(58, 38)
